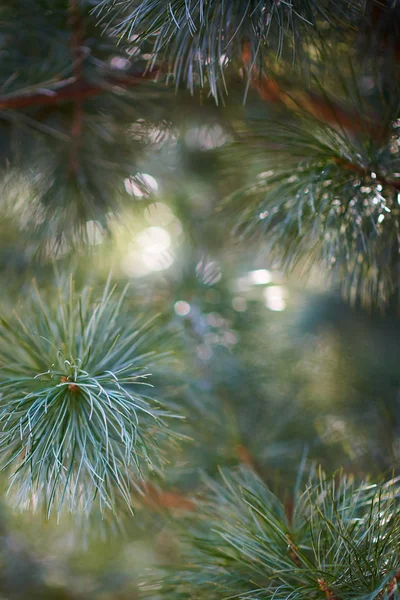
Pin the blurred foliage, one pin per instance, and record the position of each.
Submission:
(258, 387)
(335, 538)
(270, 369)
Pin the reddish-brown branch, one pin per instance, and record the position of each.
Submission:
(76, 38)
(68, 92)
(393, 585)
(323, 110)
(324, 588)
(246, 458)
(74, 90)
(293, 553)
(384, 181)
(170, 500)
(289, 510)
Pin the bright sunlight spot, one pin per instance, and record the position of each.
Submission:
(274, 297)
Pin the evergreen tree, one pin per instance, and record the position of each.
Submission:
(200, 246)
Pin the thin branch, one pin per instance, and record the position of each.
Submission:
(391, 588)
(247, 459)
(293, 552)
(327, 112)
(68, 91)
(324, 588)
(363, 171)
(170, 500)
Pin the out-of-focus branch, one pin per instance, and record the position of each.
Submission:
(171, 500)
(69, 91)
(362, 171)
(324, 588)
(320, 108)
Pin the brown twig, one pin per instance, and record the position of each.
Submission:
(68, 91)
(293, 553)
(393, 585)
(171, 500)
(289, 510)
(324, 588)
(384, 181)
(247, 459)
(320, 108)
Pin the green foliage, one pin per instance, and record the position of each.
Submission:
(328, 121)
(197, 40)
(313, 157)
(69, 99)
(322, 196)
(76, 117)
(76, 420)
(335, 540)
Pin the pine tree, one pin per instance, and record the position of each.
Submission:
(170, 171)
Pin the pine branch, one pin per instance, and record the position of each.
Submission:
(325, 195)
(76, 421)
(307, 102)
(364, 172)
(71, 91)
(67, 117)
(341, 544)
(197, 40)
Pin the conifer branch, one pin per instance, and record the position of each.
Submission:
(345, 535)
(324, 588)
(69, 90)
(76, 421)
(166, 499)
(197, 39)
(308, 102)
(380, 179)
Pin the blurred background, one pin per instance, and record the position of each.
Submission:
(269, 370)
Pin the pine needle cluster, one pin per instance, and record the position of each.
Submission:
(77, 421)
(324, 197)
(71, 97)
(197, 40)
(327, 76)
(335, 540)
